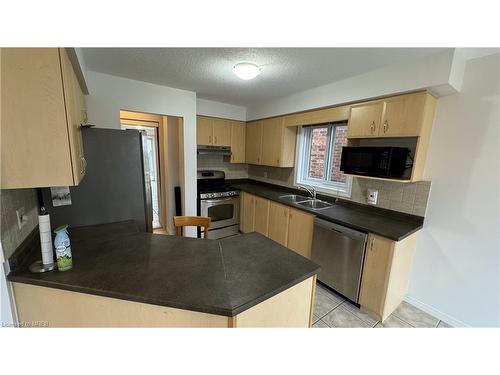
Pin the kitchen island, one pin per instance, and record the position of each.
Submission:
(125, 278)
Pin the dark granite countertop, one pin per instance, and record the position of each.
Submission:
(223, 277)
(386, 223)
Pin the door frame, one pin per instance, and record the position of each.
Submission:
(141, 120)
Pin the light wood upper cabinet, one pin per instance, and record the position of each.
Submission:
(75, 115)
(397, 116)
(270, 142)
(386, 274)
(41, 103)
(278, 223)
(261, 219)
(364, 120)
(300, 232)
(238, 135)
(253, 142)
(221, 132)
(204, 130)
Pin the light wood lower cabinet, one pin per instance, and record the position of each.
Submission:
(386, 274)
(287, 226)
(247, 212)
(61, 308)
(42, 111)
(300, 232)
(261, 221)
(278, 223)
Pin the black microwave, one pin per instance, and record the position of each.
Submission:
(374, 161)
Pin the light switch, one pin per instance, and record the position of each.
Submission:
(22, 218)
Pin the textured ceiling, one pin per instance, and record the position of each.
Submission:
(208, 71)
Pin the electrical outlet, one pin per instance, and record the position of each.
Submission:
(22, 218)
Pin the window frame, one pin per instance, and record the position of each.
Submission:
(302, 178)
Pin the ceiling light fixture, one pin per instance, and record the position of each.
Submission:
(246, 70)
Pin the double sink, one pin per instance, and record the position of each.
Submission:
(315, 204)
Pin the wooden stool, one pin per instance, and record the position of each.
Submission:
(191, 221)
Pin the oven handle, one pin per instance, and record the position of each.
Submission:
(219, 200)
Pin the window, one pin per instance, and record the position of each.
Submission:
(318, 163)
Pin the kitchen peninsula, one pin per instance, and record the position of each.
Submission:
(126, 278)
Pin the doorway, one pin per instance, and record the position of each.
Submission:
(151, 166)
(163, 165)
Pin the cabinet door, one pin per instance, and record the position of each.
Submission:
(278, 223)
(222, 132)
(394, 118)
(261, 219)
(74, 115)
(272, 136)
(364, 120)
(253, 142)
(300, 232)
(247, 214)
(33, 120)
(376, 270)
(238, 135)
(204, 131)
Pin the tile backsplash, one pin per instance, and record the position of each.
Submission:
(221, 163)
(409, 198)
(10, 201)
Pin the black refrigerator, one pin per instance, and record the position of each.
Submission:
(116, 186)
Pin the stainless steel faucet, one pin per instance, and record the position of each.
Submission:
(310, 190)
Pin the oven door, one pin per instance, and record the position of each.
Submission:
(222, 211)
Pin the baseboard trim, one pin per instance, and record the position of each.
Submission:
(436, 313)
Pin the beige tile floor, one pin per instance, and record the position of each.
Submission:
(333, 311)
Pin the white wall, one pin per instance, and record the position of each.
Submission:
(436, 71)
(456, 274)
(110, 94)
(218, 109)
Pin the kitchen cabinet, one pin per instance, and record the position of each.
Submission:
(254, 214)
(278, 223)
(222, 132)
(238, 130)
(253, 142)
(76, 115)
(270, 142)
(386, 274)
(364, 120)
(261, 219)
(397, 116)
(288, 226)
(42, 106)
(213, 131)
(204, 130)
(247, 212)
(320, 116)
(300, 232)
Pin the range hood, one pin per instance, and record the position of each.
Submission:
(214, 150)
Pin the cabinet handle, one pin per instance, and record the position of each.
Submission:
(372, 127)
(278, 161)
(386, 126)
(215, 140)
(371, 244)
(209, 139)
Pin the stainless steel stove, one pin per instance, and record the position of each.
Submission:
(220, 201)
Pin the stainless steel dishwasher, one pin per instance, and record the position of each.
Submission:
(340, 252)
